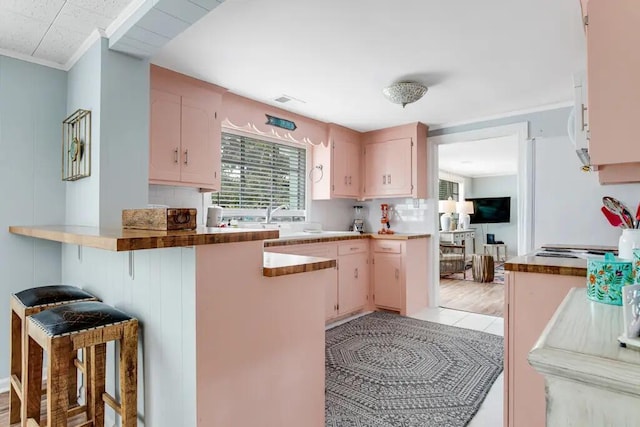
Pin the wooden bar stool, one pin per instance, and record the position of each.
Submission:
(24, 304)
(64, 330)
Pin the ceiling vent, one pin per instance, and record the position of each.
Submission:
(283, 99)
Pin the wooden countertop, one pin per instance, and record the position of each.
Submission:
(283, 264)
(131, 240)
(562, 266)
(580, 343)
(313, 238)
(546, 265)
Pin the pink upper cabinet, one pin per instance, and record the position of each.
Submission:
(346, 158)
(395, 162)
(613, 67)
(184, 144)
(164, 155)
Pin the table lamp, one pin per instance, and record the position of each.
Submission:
(464, 209)
(446, 208)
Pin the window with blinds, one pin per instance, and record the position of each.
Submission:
(257, 174)
(449, 189)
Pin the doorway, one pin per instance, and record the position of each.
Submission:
(494, 179)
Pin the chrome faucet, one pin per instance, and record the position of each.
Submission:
(271, 210)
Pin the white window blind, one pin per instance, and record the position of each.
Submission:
(448, 189)
(256, 174)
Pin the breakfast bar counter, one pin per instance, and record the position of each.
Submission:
(131, 240)
(220, 320)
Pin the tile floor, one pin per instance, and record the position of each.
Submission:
(490, 412)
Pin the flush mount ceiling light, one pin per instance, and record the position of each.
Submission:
(404, 92)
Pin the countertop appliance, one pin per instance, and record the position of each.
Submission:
(214, 216)
(359, 214)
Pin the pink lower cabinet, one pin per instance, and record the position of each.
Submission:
(353, 276)
(531, 299)
(399, 273)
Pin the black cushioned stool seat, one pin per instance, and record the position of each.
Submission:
(62, 331)
(26, 303)
(53, 294)
(77, 316)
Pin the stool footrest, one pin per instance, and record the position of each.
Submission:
(109, 400)
(79, 409)
(17, 385)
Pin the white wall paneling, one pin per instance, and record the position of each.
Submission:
(32, 107)
(161, 294)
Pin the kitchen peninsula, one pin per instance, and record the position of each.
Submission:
(229, 336)
(534, 288)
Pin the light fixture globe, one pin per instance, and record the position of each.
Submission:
(404, 92)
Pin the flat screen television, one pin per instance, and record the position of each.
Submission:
(489, 210)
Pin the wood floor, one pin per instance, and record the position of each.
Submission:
(465, 295)
(4, 414)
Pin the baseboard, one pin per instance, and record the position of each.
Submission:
(4, 385)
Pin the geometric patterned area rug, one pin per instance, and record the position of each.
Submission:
(387, 370)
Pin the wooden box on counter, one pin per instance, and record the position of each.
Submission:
(160, 218)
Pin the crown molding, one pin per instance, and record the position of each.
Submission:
(537, 109)
(33, 60)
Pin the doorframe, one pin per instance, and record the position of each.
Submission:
(525, 208)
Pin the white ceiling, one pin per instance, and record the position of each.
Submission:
(53, 30)
(475, 159)
(479, 58)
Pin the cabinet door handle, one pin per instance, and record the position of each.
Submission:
(349, 180)
(384, 179)
(345, 180)
(175, 156)
(582, 111)
(385, 248)
(397, 273)
(356, 273)
(353, 248)
(389, 179)
(186, 156)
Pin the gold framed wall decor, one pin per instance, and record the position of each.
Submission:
(76, 146)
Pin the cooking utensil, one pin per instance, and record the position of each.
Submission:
(638, 216)
(613, 219)
(617, 207)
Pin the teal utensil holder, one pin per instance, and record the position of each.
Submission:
(606, 277)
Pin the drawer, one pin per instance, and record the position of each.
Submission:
(387, 246)
(353, 247)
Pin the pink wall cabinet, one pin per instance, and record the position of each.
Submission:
(341, 164)
(399, 274)
(395, 162)
(185, 131)
(353, 276)
(530, 301)
(613, 67)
